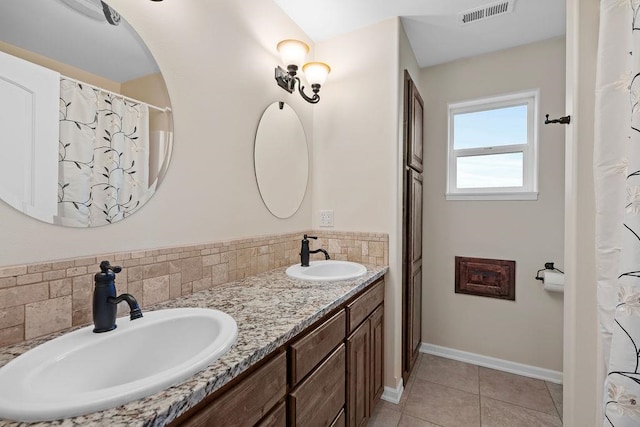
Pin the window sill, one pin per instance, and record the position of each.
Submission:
(533, 195)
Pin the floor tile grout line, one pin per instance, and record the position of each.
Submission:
(524, 407)
(479, 397)
(555, 405)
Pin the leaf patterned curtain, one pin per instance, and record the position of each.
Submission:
(617, 184)
(103, 156)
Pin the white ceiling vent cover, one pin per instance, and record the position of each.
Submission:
(485, 12)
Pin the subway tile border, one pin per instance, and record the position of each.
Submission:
(39, 299)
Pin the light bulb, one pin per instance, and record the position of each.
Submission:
(293, 52)
(316, 72)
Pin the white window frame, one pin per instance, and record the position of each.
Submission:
(529, 190)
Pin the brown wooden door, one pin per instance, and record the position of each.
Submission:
(414, 294)
(358, 375)
(412, 228)
(414, 128)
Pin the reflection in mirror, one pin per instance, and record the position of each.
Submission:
(84, 113)
(281, 160)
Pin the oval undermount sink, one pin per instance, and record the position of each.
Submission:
(82, 372)
(325, 271)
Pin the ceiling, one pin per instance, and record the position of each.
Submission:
(117, 53)
(432, 26)
(53, 29)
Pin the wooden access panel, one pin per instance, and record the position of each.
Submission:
(492, 278)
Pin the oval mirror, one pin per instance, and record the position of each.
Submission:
(281, 160)
(84, 113)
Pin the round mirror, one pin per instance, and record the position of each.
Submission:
(281, 160)
(84, 113)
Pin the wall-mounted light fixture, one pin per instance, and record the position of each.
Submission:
(293, 53)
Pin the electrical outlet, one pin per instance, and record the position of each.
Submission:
(326, 218)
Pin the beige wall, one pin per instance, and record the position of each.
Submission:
(219, 72)
(355, 160)
(583, 372)
(152, 90)
(528, 330)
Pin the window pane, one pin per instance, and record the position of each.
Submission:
(490, 171)
(490, 128)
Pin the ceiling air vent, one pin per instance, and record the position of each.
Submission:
(484, 12)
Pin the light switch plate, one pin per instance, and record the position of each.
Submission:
(326, 218)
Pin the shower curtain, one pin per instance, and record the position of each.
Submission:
(617, 186)
(103, 156)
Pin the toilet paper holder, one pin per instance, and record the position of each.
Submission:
(547, 266)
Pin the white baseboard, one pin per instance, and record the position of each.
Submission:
(393, 395)
(493, 363)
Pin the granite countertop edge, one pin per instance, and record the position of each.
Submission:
(270, 309)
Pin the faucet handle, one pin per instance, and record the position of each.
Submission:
(310, 237)
(106, 266)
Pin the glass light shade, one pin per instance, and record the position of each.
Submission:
(292, 52)
(316, 72)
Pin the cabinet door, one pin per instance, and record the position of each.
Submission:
(358, 375)
(414, 124)
(377, 361)
(415, 314)
(413, 274)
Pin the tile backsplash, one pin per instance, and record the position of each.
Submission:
(38, 299)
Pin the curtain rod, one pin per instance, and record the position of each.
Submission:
(161, 109)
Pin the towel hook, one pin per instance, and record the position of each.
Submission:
(562, 120)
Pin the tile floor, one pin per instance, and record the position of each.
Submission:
(443, 392)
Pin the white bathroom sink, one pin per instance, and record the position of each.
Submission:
(325, 271)
(82, 371)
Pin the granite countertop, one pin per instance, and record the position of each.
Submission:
(269, 308)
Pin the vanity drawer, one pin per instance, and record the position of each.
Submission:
(249, 401)
(319, 398)
(307, 352)
(364, 305)
(340, 421)
(277, 418)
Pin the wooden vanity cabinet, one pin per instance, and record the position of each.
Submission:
(252, 401)
(365, 355)
(330, 375)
